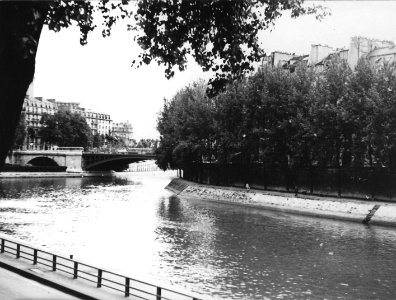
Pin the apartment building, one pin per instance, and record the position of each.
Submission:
(33, 109)
(377, 52)
(124, 131)
(100, 123)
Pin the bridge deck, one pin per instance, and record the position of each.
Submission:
(112, 161)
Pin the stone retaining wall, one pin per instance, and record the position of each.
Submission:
(368, 212)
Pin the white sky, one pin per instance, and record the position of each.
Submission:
(100, 77)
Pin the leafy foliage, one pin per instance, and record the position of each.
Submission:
(65, 129)
(147, 143)
(186, 125)
(222, 36)
(335, 118)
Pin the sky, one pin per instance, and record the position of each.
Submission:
(99, 75)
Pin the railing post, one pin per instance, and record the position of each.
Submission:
(18, 251)
(99, 278)
(127, 284)
(158, 293)
(54, 263)
(75, 271)
(35, 257)
(2, 245)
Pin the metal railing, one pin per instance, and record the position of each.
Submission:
(100, 278)
(70, 148)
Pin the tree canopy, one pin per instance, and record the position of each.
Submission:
(222, 36)
(333, 118)
(65, 129)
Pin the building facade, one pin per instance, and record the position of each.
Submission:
(362, 47)
(277, 58)
(33, 109)
(100, 123)
(377, 52)
(124, 131)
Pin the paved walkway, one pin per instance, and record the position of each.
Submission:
(22, 280)
(14, 286)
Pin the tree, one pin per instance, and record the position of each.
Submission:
(97, 140)
(114, 141)
(147, 143)
(186, 127)
(220, 35)
(20, 132)
(65, 129)
(331, 118)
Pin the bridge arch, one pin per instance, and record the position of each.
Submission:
(42, 161)
(116, 162)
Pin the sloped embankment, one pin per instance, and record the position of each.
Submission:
(367, 212)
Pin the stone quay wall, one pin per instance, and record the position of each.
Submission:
(366, 212)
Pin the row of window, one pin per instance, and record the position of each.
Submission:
(39, 105)
(95, 116)
(34, 124)
(33, 117)
(39, 110)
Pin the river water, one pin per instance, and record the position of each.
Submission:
(131, 224)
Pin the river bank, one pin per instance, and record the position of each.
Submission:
(367, 212)
(54, 174)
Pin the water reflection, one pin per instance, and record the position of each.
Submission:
(131, 224)
(282, 256)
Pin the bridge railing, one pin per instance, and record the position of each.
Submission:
(98, 277)
(48, 150)
(70, 149)
(141, 150)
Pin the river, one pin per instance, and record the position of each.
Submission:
(131, 224)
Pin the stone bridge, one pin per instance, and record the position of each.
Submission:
(76, 160)
(71, 157)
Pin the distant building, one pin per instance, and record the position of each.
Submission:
(124, 131)
(377, 52)
(341, 54)
(34, 108)
(73, 107)
(295, 61)
(381, 56)
(361, 47)
(98, 122)
(277, 58)
(318, 53)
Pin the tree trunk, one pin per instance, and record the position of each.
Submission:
(20, 28)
